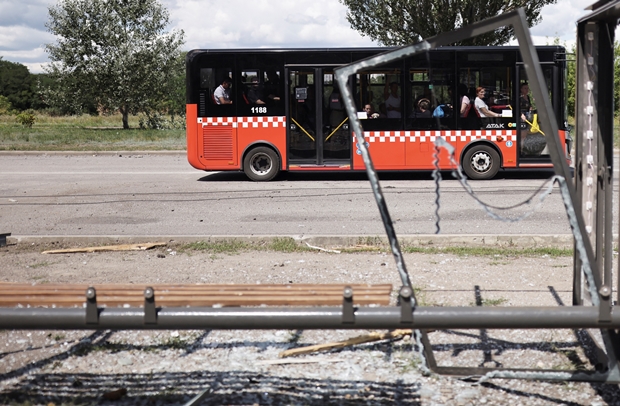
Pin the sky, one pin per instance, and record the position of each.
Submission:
(246, 24)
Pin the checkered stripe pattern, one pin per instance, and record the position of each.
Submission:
(259, 121)
(205, 121)
(450, 136)
(244, 122)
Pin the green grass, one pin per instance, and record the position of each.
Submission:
(288, 244)
(217, 247)
(85, 133)
(233, 247)
(492, 251)
(491, 302)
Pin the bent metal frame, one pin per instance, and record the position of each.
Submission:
(592, 303)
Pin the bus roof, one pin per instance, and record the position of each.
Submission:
(363, 49)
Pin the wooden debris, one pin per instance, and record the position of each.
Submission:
(123, 247)
(352, 341)
(322, 249)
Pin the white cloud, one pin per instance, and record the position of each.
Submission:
(17, 38)
(246, 24)
(560, 20)
(264, 24)
(32, 13)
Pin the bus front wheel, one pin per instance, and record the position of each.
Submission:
(481, 162)
(261, 164)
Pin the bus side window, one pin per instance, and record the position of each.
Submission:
(224, 91)
(205, 94)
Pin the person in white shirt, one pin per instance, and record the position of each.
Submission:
(481, 107)
(392, 100)
(222, 93)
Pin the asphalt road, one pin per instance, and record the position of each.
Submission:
(132, 194)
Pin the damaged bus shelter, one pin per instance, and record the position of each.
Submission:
(588, 207)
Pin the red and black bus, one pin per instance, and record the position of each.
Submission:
(286, 114)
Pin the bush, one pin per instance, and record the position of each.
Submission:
(5, 105)
(157, 121)
(26, 118)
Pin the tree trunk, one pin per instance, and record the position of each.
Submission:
(125, 113)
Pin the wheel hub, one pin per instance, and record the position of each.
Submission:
(261, 164)
(481, 162)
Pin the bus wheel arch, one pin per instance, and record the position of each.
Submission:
(481, 161)
(261, 162)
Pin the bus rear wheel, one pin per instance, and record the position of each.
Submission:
(261, 164)
(481, 162)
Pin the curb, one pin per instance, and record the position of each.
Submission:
(331, 241)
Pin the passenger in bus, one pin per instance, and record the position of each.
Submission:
(222, 93)
(481, 107)
(423, 109)
(392, 100)
(370, 111)
(532, 140)
(525, 103)
(272, 86)
(255, 93)
(464, 102)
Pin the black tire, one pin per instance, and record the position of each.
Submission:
(261, 164)
(481, 162)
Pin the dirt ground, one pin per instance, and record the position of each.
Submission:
(243, 367)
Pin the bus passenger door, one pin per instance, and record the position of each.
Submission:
(531, 140)
(318, 130)
(302, 115)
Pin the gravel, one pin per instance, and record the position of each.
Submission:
(241, 367)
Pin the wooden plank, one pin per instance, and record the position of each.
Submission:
(69, 295)
(231, 287)
(165, 300)
(123, 247)
(159, 294)
(367, 338)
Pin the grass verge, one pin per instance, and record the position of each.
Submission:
(493, 251)
(85, 133)
(290, 245)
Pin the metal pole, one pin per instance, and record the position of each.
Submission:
(424, 318)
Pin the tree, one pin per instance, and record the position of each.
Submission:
(616, 77)
(402, 22)
(114, 54)
(16, 84)
(571, 77)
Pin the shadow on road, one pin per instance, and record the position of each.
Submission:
(361, 176)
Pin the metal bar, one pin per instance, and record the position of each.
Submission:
(92, 312)
(3, 239)
(424, 318)
(348, 312)
(549, 125)
(484, 374)
(404, 300)
(604, 100)
(150, 311)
